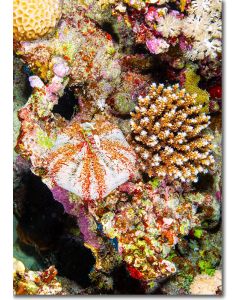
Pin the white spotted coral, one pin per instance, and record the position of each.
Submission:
(32, 19)
(167, 131)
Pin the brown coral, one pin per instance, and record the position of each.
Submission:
(33, 19)
(167, 130)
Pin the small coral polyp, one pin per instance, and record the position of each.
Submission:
(32, 19)
(167, 130)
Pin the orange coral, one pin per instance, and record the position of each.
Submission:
(167, 130)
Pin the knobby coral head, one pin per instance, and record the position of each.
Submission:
(32, 19)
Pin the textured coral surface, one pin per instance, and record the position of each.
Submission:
(33, 19)
(168, 138)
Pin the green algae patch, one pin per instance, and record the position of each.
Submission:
(44, 140)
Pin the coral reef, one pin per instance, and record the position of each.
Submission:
(33, 19)
(148, 227)
(167, 132)
(118, 152)
(87, 159)
(27, 282)
(193, 25)
(87, 57)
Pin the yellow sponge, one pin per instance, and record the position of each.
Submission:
(191, 86)
(33, 19)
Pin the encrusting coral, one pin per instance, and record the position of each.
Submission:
(191, 85)
(167, 129)
(27, 282)
(148, 227)
(137, 4)
(32, 19)
(91, 58)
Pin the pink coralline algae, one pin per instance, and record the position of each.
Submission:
(157, 46)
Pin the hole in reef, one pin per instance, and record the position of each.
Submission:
(124, 283)
(42, 218)
(205, 182)
(43, 225)
(140, 49)
(66, 105)
(74, 260)
(107, 27)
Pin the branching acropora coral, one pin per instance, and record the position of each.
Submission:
(167, 130)
(32, 19)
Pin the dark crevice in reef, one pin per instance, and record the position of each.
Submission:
(205, 182)
(41, 220)
(140, 49)
(73, 260)
(107, 27)
(216, 228)
(66, 105)
(124, 284)
(42, 226)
